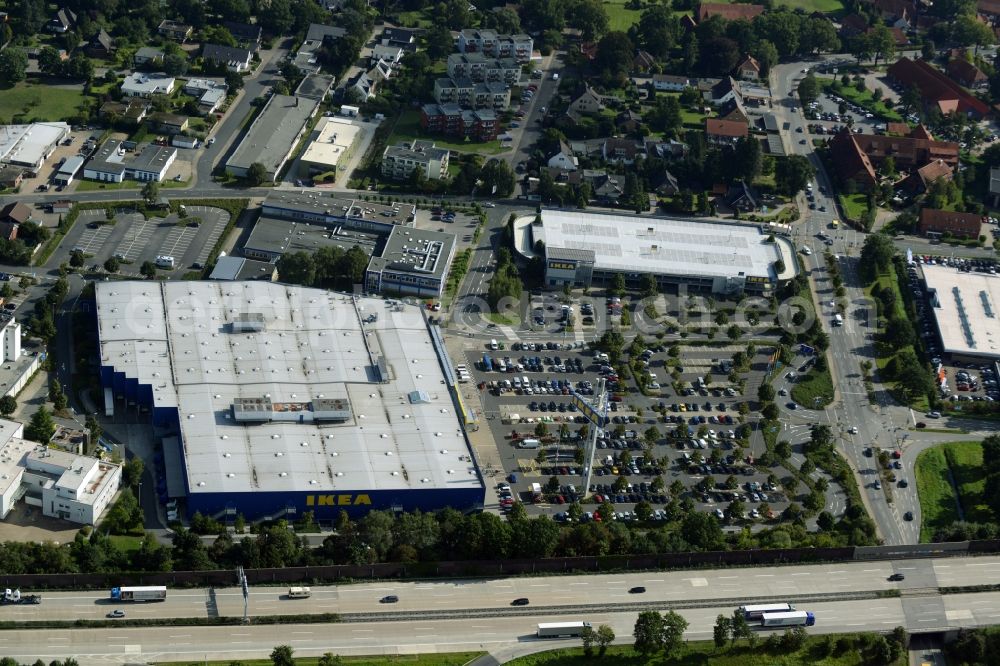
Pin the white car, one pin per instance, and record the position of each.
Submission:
(853, 430)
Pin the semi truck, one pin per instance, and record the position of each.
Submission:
(15, 597)
(788, 619)
(148, 593)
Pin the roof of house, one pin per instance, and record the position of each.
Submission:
(244, 31)
(627, 147)
(930, 217)
(220, 53)
(728, 12)
(102, 39)
(904, 9)
(849, 157)
(149, 53)
(921, 132)
(589, 93)
(908, 149)
(995, 180)
(727, 128)
(932, 171)
(670, 78)
(853, 23)
(897, 129)
(318, 31)
(643, 60)
(15, 212)
(748, 62)
(740, 190)
(963, 70)
(935, 86)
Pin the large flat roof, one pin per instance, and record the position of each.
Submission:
(967, 310)
(178, 337)
(334, 138)
(418, 251)
(272, 134)
(642, 244)
(29, 144)
(274, 235)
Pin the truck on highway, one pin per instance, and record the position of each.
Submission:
(757, 611)
(148, 593)
(15, 597)
(789, 619)
(561, 629)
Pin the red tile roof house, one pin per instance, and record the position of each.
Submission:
(729, 12)
(967, 74)
(722, 132)
(851, 162)
(959, 225)
(936, 88)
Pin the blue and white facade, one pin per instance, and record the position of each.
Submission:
(279, 400)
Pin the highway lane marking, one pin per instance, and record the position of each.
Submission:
(802, 574)
(181, 636)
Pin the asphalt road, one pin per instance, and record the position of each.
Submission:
(545, 591)
(503, 636)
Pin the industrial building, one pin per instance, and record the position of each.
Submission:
(585, 249)
(966, 307)
(403, 259)
(113, 163)
(64, 485)
(28, 146)
(333, 142)
(273, 135)
(277, 400)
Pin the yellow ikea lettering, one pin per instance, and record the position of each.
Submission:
(337, 500)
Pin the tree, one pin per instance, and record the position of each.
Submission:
(77, 259)
(588, 636)
(656, 30)
(590, 17)
(614, 55)
(112, 264)
(151, 191)
(792, 174)
(783, 449)
(809, 89)
(8, 405)
(649, 631)
(132, 472)
(765, 392)
(497, 178)
(746, 159)
(297, 268)
(883, 44)
(605, 637)
(876, 254)
(674, 627)
(256, 174)
(282, 656)
(80, 67)
(41, 427)
(234, 80)
(175, 64)
(276, 15)
(968, 31)
(148, 269)
(13, 65)
(49, 61)
(741, 629)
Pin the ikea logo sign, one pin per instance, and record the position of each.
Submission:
(338, 500)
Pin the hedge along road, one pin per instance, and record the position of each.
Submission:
(582, 590)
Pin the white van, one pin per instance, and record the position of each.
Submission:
(528, 444)
(494, 345)
(299, 593)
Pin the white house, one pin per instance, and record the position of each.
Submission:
(564, 159)
(142, 84)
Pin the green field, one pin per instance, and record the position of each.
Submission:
(825, 6)
(408, 128)
(938, 500)
(24, 103)
(446, 659)
(620, 17)
(853, 205)
(702, 653)
(815, 390)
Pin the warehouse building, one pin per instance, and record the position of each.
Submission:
(113, 163)
(64, 485)
(332, 145)
(28, 146)
(282, 399)
(272, 135)
(585, 249)
(966, 307)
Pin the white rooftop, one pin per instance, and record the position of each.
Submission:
(177, 337)
(967, 309)
(29, 144)
(658, 245)
(143, 83)
(335, 138)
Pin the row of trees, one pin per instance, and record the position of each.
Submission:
(327, 267)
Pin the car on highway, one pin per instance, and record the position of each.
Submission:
(897, 577)
(637, 590)
(521, 601)
(116, 613)
(389, 599)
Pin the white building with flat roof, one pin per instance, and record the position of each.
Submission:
(28, 146)
(332, 145)
(145, 84)
(584, 248)
(966, 307)
(288, 399)
(64, 485)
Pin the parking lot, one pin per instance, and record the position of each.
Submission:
(463, 225)
(685, 438)
(133, 239)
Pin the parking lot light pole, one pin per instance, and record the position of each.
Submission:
(595, 411)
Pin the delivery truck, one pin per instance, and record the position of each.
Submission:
(149, 593)
(788, 619)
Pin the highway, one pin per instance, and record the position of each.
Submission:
(676, 587)
(503, 636)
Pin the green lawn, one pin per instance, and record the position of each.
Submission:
(446, 659)
(408, 128)
(966, 462)
(938, 502)
(126, 544)
(702, 653)
(620, 17)
(862, 99)
(815, 390)
(853, 205)
(24, 103)
(825, 6)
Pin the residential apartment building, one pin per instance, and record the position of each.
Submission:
(401, 160)
(493, 44)
(479, 67)
(453, 120)
(468, 93)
